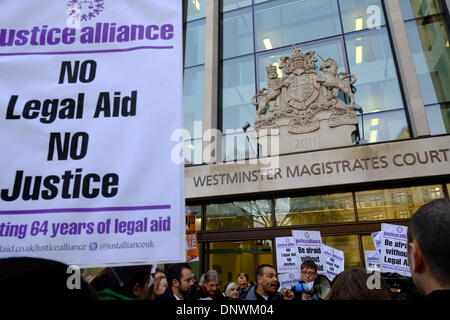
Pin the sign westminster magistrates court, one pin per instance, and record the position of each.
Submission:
(90, 93)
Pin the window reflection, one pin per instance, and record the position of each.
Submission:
(193, 151)
(370, 59)
(399, 203)
(193, 100)
(419, 8)
(285, 22)
(336, 208)
(238, 88)
(348, 244)
(384, 126)
(367, 242)
(232, 258)
(430, 47)
(439, 118)
(195, 43)
(194, 9)
(237, 33)
(356, 14)
(234, 4)
(237, 215)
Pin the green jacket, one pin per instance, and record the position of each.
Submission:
(108, 294)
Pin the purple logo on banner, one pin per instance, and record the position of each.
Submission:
(307, 235)
(85, 9)
(399, 229)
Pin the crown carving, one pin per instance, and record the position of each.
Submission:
(298, 60)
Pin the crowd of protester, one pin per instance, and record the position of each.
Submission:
(428, 257)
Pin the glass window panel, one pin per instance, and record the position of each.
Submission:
(193, 100)
(355, 16)
(237, 33)
(419, 8)
(234, 4)
(239, 146)
(430, 47)
(286, 22)
(370, 59)
(348, 244)
(329, 48)
(238, 215)
(333, 208)
(232, 258)
(399, 203)
(198, 216)
(195, 43)
(238, 88)
(195, 9)
(439, 118)
(193, 151)
(384, 126)
(367, 242)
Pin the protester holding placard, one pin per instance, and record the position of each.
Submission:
(429, 249)
(308, 273)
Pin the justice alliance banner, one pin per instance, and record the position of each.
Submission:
(90, 94)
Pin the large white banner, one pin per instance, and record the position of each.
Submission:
(90, 94)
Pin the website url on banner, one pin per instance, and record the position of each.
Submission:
(93, 246)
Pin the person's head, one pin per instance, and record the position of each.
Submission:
(212, 282)
(242, 280)
(232, 291)
(429, 246)
(352, 285)
(29, 279)
(201, 280)
(159, 274)
(131, 281)
(180, 278)
(266, 278)
(160, 285)
(308, 271)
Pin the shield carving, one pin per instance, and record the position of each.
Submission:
(302, 91)
(301, 88)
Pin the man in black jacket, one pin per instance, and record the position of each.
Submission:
(429, 249)
(180, 279)
(267, 285)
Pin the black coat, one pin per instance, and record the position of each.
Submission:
(439, 295)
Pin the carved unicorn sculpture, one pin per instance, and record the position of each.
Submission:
(337, 81)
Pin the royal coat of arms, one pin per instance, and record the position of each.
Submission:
(296, 99)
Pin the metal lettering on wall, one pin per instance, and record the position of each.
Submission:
(395, 160)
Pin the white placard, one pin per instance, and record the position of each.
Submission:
(286, 255)
(376, 238)
(90, 95)
(372, 260)
(288, 280)
(309, 247)
(334, 261)
(394, 244)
